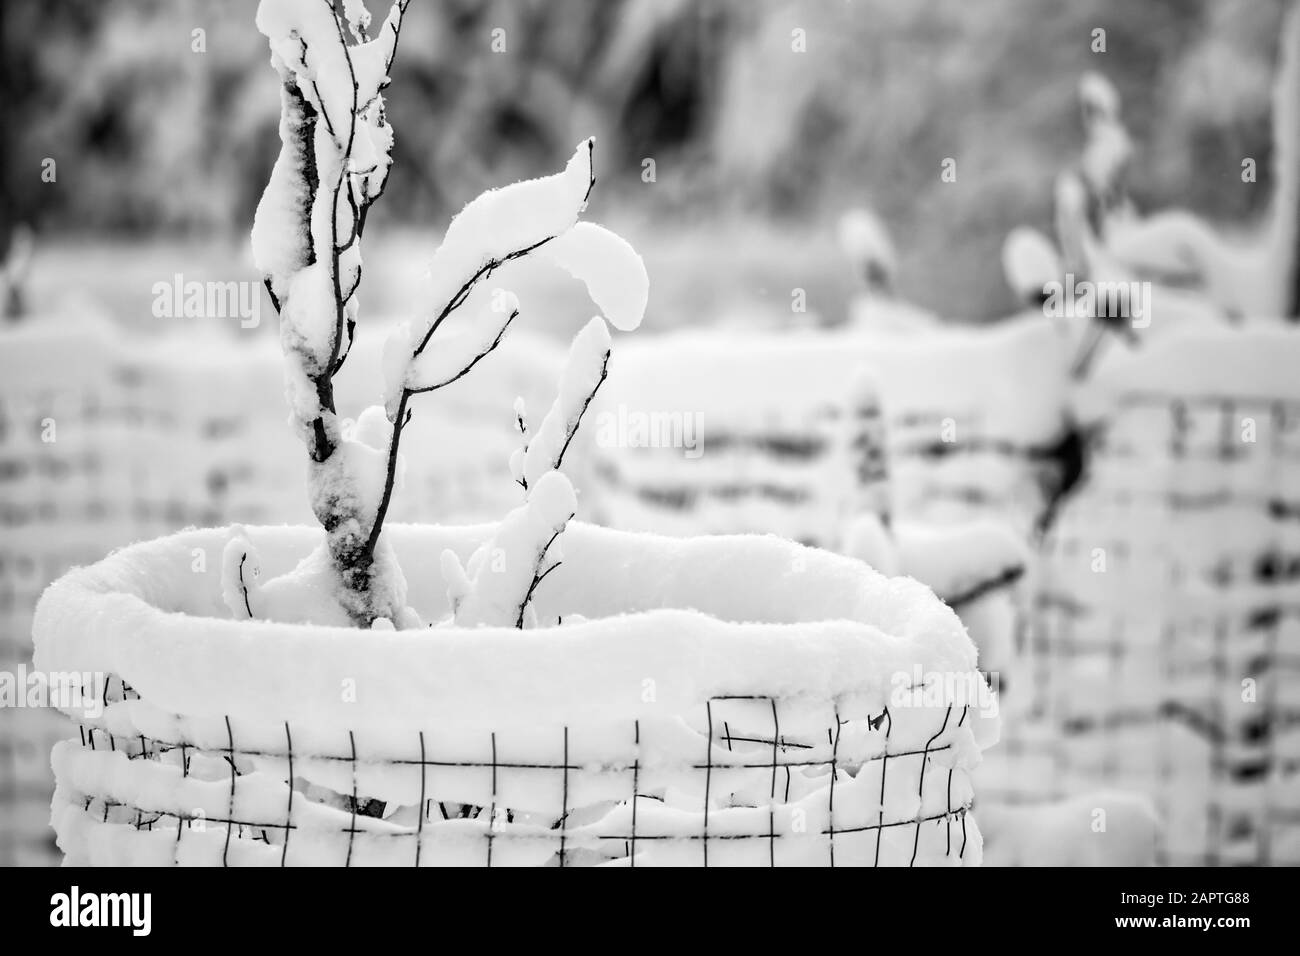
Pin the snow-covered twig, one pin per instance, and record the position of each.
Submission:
(498, 593)
(538, 577)
(497, 228)
(584, 373)
(501, 576)
(517, 459)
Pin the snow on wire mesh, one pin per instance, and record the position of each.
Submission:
(699, 431)
(756, 791)
(1165, 652)
(749, 743)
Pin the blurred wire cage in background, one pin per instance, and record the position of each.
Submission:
(768, 432)
(95, 454)
(1166, 646)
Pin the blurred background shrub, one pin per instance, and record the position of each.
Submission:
(161, 149)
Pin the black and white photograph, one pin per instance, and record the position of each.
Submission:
(651, 433)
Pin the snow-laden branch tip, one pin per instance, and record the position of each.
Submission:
(517, 456)
(612, 270)
(325, 84)
(502, 574)
(527, 543)
(502, 225)
(585, 370)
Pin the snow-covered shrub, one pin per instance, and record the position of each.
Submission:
(633, 733)
(1162, 646)
(333, 165)
(878, 307)
(15, 267)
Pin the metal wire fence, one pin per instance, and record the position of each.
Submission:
(1165, 650)
(748, 780)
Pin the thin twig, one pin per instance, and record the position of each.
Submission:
(478, 358)
(242, 585)
(604, 373)
(537, 579)
(456, 301)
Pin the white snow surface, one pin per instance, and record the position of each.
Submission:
(1230, 362)
(280, 239)
(981, 371)
(1029, 262)
(526, 540)
(705, 616)
(612, 270)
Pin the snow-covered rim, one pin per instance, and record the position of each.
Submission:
(659, 609)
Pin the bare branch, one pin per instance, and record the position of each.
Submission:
(463, 292)
(402, 417)
(604, 373)
(244, 587)
(474, 361)
(538, 578)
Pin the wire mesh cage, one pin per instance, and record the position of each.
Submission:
(752, 795)
(976, 418)
(746, 447)
(105, 440)
(538, 747)
(1165, 646)
(772, 434)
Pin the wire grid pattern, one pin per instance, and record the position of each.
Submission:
(949, 464)
(119, 444)
(803, 472)
(783, 471)
(726, 822)
(91, 460)
(1027, 765)
(1176, 669)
